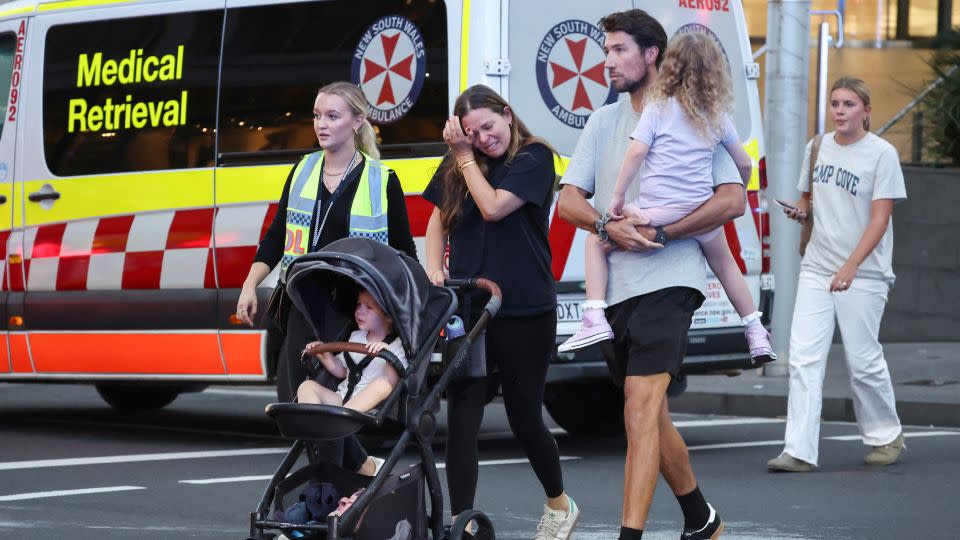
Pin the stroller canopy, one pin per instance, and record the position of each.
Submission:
(334, 275)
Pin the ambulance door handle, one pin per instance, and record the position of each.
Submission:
(39, 196)
(3, 199)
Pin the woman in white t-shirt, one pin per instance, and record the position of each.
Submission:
(844, 279)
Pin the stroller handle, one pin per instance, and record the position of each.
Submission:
(484, 284)
(358, 348)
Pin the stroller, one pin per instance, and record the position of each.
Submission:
(391, 505)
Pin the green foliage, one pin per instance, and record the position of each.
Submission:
(941, 107)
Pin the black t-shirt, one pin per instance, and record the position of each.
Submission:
(514, 252)
(337, 226)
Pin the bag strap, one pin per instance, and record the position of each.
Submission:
(814, 154)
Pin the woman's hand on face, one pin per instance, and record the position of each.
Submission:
(799, 212)
(247, 305)
(843, 278)
(460, 143)
(437, 277)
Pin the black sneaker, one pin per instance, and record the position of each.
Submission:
(710, 531)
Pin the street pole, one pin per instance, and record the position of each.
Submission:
(785, 119)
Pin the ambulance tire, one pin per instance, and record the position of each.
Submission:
(137, 397)
(602, 417)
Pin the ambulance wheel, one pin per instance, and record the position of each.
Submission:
(477, 521)
(599, 415)
(137, 397)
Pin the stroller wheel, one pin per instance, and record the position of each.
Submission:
(472, 525)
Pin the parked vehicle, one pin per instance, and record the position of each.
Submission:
(144, 144)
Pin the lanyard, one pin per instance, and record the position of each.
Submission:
(319, 223)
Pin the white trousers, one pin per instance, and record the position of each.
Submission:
(858, 311)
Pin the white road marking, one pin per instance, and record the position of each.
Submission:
(727, 422)
(226, 480)
(734, 445)
(749, 444)
(66, 492)
(486, 463)
(134, 458)
(241, 392)
(907, 435)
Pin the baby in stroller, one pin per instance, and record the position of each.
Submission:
(371, 378)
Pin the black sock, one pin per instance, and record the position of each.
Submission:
(696, 513)
(626, 533)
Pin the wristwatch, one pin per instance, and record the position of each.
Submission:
(661, 236)
(601, 226)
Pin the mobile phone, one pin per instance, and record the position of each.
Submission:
(785, 205)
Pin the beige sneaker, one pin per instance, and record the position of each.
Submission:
(787, 463)
(557, 524)
(886, 454)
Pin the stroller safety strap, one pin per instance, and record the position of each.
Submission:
(355, 369)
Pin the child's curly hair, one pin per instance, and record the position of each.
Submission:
(695, 73)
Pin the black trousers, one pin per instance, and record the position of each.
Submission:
(519, 350)
(348, 453)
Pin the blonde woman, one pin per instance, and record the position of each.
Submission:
(315, 209)
(845, 275)
(686, 117)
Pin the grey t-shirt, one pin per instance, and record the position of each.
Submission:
(594, 167)
(846, 181)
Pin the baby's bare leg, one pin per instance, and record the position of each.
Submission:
(371, 395)
(595, 256)
(721, 261)
(313, 392)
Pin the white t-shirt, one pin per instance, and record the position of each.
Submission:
(846, 181)
(377, 368)
(679, 166)
(594, 167)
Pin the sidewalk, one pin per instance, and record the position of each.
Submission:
(926, 381)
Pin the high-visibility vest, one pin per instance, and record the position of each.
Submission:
(368, 212)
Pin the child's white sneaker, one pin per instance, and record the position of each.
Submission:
(594, 328)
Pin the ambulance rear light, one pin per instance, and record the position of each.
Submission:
(16, 320)
(761, 217)
(762, 171)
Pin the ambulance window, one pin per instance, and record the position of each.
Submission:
(131, 95)
(276, 58)
(8, 46)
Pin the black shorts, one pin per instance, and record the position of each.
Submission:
(650, 332)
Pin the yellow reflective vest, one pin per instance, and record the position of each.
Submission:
(368, 212)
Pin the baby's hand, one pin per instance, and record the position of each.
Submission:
(312, 345)
(375, 347)
(615, 208)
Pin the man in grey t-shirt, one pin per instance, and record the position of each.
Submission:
(654, 288)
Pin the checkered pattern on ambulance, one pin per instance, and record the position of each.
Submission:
(152, 250)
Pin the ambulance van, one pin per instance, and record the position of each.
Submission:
(144, 144)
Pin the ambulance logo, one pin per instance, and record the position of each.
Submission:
(570, 73)
(389, 64)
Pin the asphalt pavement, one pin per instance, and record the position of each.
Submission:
(70, 467)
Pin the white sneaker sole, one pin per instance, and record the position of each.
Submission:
(585, 342)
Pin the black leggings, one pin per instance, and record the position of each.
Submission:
(521, 349)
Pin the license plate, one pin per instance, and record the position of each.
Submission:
(568, 310)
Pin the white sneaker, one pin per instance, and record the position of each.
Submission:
(377, 464)
(557, 524)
